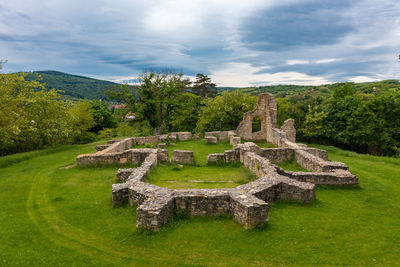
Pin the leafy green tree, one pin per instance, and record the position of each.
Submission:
(224, 112)
(203, 86)
(103, 117)
(156, 98)
(31, 116)
(185, 113)
(314, 125)
(81, 114)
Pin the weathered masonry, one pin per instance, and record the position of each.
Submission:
(247, 203)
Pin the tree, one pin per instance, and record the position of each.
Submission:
(81, 114)
(203, 86)
(156, 97)
(31, 116)
(103, 117)
(224, 112)
(185, 113)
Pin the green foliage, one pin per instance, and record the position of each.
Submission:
(224, 112)
(365, 123)
(82, 118)
(32, 117)
(73, 86)
(103, 117)
(124, 129)
(156, 98)
(256, 124)
(141, 128)
(185, 113)
(203, 86)
(107, 133)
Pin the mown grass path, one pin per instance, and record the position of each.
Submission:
(52, 215)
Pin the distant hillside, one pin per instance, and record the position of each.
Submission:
(74, 86)
(286, 90)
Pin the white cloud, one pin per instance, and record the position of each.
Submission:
(323, 61)
(297, 62)
(244, 75)
(292, 62)
(361, 79)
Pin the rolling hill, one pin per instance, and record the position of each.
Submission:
(74, 86)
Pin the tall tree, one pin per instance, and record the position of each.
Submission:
(224, 112)
(203, 86)
(155, 98)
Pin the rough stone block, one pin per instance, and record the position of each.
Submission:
(100, 147)
(234, 140)
(161, 146)
(215, 158)
(172, 138)
(249, 210)
(163, 138)
(182, 136)
(183, 156)
(210, 139)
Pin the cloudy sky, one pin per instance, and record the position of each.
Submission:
(236, 42)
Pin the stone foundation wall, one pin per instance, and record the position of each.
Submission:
(247, 203)
(120, 152)
(221, 135)
(182, 136)
(317, 164)
(337, 178)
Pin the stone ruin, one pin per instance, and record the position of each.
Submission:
(247, 203)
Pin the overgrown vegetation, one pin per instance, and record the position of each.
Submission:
(33, 117)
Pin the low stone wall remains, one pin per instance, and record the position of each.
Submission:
(221, 135)
(246, 203)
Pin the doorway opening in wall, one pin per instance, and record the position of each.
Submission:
(256, 124)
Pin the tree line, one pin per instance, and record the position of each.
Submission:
(33, 117)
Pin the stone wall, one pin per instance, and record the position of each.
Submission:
(134, 156)
(266, 111)
(247, 203)
(317, 164)
(289, 130)
(120, 152)
(182, 136)
(221, 135)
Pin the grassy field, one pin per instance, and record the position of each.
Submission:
(55, 215)
(200, 175)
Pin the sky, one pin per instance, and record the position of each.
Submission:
(237, 43)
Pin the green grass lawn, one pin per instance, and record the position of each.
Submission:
(200, 175)
(291, 165)
(52, 215)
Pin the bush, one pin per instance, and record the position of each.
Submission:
(224, 112)
(107, 133)
(124, 129)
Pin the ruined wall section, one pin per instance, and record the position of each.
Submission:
(266, 111)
